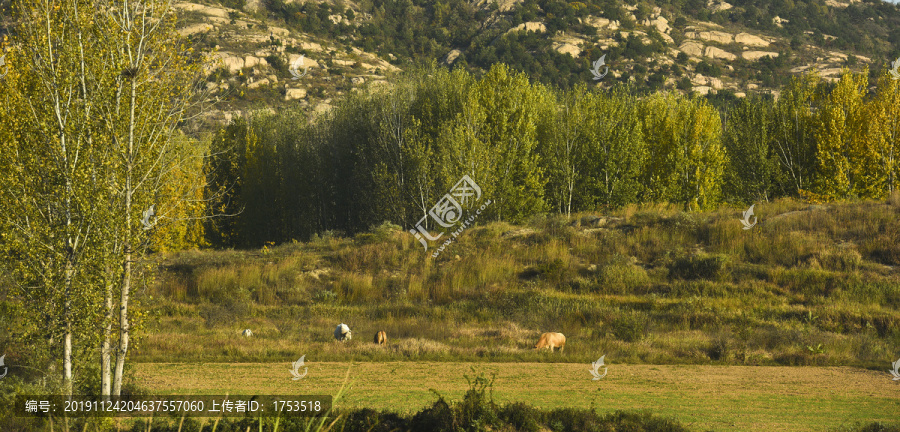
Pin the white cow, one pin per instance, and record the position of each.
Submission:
(342, 332)
(247, 333)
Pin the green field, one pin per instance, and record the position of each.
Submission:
(719, 398)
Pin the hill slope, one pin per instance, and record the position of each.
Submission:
(689, 45)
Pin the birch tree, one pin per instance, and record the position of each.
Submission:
(563, 147)
(151, 82)
(53, 165)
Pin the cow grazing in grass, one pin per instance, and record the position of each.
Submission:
(342, 332)
(551, 340)
(381, 338)
(247, 333)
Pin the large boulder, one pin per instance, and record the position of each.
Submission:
(756, 55)
(718, 53)
(294, 93)
(692, 48)
(567, 48)
(603, 23)
(537, 27)
(660, 23)
(750, 40)
(231, 62)
(452, 56)
(255, 84)
(251, 61)
(712, 36)
(307, 62)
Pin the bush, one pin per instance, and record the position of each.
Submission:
(523, 417)
(719, 347)
(235, 4)
(553, 271)
(477, 410)
(712, 267)
(574, 420)
(621, 277)
(630, 327)
(709, 69)
(438, 418)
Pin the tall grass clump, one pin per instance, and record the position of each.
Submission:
(621, 276)
(700, 266)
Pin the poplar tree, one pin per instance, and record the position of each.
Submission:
(494, 140)
(615, 150)
(842, 149)
(883, 134)
(747, 139)
(793, 140)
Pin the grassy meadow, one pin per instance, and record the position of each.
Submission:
(790, 325)
(700, 397)
(807, 286)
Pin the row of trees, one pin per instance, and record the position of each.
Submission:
(823, 142)
(391, 153)
(89, 110)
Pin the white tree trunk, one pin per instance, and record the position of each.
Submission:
(105, 351)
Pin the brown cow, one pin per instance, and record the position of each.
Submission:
(381, 338)
(551, 340)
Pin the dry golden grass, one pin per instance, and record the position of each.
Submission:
(640, 282)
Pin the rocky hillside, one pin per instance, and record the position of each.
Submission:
(710, 47)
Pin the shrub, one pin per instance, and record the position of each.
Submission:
(621, 277)
(523, 417)
(710, 69)
(553, 271)
(712, 267)
(235, 4)
(630, 327)
(477, 410)
(719, 347)
(439, 418)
